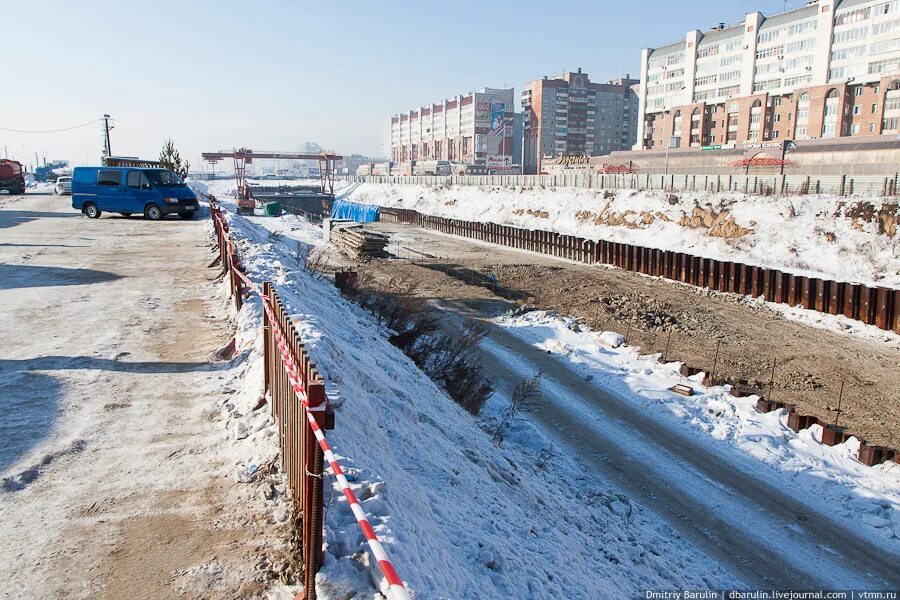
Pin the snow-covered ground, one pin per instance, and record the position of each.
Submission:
(119, 476)
(459, 516)
(850, 239)
(463, 518)
(828, 477)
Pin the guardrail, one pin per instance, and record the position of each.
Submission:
(879, 306)
(841, 185)
(302, 414)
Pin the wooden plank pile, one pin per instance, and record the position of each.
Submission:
(354, 241)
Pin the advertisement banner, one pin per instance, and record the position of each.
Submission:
(497, 118)
(503, 160)
(482, 114)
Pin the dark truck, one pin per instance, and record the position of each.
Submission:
(12, 176)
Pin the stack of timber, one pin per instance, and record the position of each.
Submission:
(356, 242)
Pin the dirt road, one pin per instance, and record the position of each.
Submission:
(768, 538)
(720, 331)
(114, 483)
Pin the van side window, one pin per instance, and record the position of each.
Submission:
(109, 178)
(136, 179)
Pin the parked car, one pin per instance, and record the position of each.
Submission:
(63, 186)
(153, 193)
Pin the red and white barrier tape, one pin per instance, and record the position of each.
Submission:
(398, 590)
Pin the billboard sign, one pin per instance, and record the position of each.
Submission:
(502, 160)
(483, 114)
(497, 118)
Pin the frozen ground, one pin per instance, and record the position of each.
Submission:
(118, 474)
(851, 239)
(459, 514)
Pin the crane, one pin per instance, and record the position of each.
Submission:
(242, 156)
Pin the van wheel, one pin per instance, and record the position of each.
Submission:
(125, 214)
(153, 212)
(90, 209)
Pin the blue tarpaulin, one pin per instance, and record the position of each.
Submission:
(361, 213)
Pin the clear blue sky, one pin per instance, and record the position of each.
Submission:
(272, 75)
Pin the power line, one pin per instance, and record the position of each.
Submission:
(50, 130)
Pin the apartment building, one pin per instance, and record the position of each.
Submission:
(570, 115)
(829, 69)
(477, 128)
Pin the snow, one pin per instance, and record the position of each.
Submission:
(106, 411)
(828, 322)
(458, 516)
(828, 478)
(611, 339)
(791, 233)
(457, 513)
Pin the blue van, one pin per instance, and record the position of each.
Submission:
(153, 193)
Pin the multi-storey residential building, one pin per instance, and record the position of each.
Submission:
(829, 69)
(477, 128)
(569, 114)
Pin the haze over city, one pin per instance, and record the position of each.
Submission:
(277, 74)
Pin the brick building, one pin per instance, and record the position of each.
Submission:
(829, 69)
(569, 114)
(477, 128)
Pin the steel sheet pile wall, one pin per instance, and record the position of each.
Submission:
(872, 305)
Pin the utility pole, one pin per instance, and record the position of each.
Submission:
(107, 148)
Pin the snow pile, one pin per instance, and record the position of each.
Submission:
(611, 339)
(831, 478)
(458, 516)
(823, 236)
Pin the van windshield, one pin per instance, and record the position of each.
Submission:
(163, 178)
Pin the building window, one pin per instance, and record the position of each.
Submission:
(849, 35)
(871, 127)
(800, 46)
(856, 109)
(874, 108)
(798, 80)
(883, 66)
(802, 116)
(767, 52)
(852, 16)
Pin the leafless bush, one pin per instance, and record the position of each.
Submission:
(449, 359)
(524, 399)
(315, 261)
